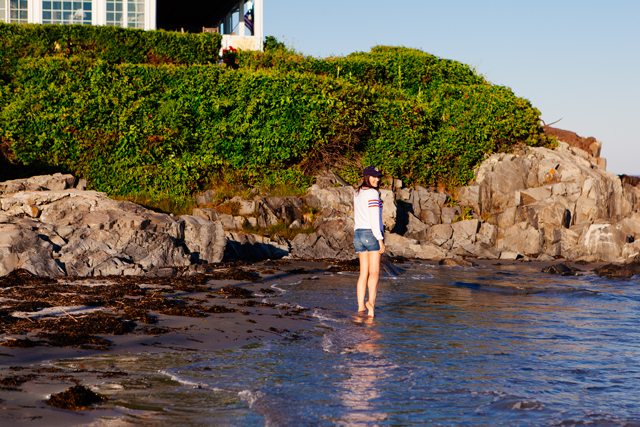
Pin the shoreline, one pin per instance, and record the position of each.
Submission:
(253, 314)
(27, 376)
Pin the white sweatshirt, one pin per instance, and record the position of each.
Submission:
(367, 208)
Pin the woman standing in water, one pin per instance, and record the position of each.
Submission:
(368, 237)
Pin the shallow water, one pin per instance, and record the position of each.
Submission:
(448, 346)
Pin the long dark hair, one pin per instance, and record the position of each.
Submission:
(366, 183)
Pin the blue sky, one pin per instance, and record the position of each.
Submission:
(578, 61)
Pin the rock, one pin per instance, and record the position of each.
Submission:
(545, 257)
(206, 198)
(245, 207)
(449, 214)
(333, 238)
(510, 255)
(228, 223)
(206, 213)
(441, 235)
(389, 209)
(85, 233)
(286, 209)
(252, 247)
(469, 196)
(416, 229)
(204, 239)
(339, 199)
(427, 251)
(487, 234)
(460, 262)
(602, 242)
(295, 225)
(464, 232)
(561, 269)
(480, 250)
(534, 195)
(621, 271)
(521, 238)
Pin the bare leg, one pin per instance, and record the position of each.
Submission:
(362, 280)
(372, 281)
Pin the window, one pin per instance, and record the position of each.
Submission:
(125, 13)
(18, 11)
(3, 11)
(66, 12)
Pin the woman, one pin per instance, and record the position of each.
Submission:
(368, 237)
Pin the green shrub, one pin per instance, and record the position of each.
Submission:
(111, 44)
(134, 128)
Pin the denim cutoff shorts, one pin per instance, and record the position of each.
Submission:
(365, 241)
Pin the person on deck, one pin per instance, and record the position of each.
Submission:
(368, 237)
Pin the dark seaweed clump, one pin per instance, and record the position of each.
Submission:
(76, 398)
(345, 265)
(235, 292)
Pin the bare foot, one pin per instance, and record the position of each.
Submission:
(370, 308)
(360, 310)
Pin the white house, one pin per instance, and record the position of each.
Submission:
(225, 16)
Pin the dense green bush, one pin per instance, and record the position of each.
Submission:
(168, 131)
(458, 116)
(111, 44)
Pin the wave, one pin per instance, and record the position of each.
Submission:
(525, 289)
(183, 381)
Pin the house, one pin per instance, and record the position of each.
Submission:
(239, 21)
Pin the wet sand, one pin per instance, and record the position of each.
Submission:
(68, 318)
(230, 305)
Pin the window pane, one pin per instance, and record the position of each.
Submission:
(87, 5)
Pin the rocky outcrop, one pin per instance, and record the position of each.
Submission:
(532, 203)
(82, 233)
(557, 202)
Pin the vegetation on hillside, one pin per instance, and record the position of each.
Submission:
(166, 129)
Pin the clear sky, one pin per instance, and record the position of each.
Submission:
(575, 60)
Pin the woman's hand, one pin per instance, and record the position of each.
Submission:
(381, 242)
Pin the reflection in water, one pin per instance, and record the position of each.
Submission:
(366, 370)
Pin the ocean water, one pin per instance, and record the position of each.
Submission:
(449, 346)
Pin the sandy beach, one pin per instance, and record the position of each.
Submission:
(230, 305)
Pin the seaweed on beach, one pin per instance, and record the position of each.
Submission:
(22, 277)
(221, 309)
(345, 265)
(18, 343)
(80, 340)
(234, 273)
(93, 323)
(139, 314)
(30, 306)
(16, 380)
(75, 398)
(235, 292)
(255, 303)
(160, 304)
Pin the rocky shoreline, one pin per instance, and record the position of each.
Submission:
(534, 203)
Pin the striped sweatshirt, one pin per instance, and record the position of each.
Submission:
(367, 208)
